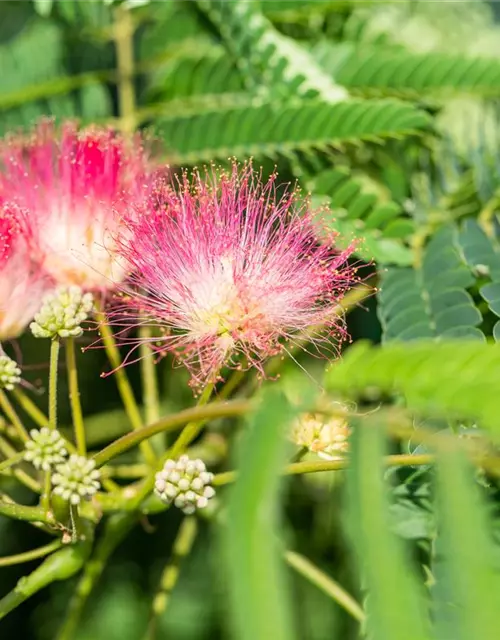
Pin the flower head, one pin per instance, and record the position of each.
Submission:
(22, 284)
(62, 313)
(327, 437)
(226, 266)
(186, 483)
(10, 373)
(74, 186)
(45, 449)
(76, 478)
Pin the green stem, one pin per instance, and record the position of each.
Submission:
(54, 362)
(74, 397)
(9, 452)
(38, 417)
(123, 36)
(198, 414)
(315, 466)
(11, 414)
(192, 429)
(6, 464)
(28, 556)
(181, 548)
(21, 512)
(325, 583)
(122, 382)
(116, 528)
(150, 393)
(61, 565)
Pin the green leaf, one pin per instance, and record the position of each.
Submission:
(449, 379)
(395, 604)
(388, 70)
(466, 552)
(282, 129)
(355, 212)
(269, 61)
(432, 300)
(257, 589)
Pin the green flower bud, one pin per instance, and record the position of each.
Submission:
(62, 313)
(185, 483)
(45, 449)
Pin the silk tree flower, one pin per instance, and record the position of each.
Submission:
(22, 283)
(74, 185)
(226, 267)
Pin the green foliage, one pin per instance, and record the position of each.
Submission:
(271, 131)
(410, 369)
(395, 606)
(431, 300)
(393, 71)
(257, 589)
(359, 212)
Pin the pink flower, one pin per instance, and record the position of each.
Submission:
(226, 266)
(75, 187)
(22, 285)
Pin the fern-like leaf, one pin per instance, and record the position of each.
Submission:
(269, 61)
(282, 129)
(356, 213)
(432, 300)
(457, 379)
(393, 71)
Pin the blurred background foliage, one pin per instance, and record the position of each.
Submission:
(388, 113)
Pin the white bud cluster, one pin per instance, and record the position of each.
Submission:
(76, 479)
(10, 373)
(62, 313)
(185, 483)
(45, 449)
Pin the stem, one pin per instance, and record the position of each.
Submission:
(198, 414)
(60, 565)
(9, 452)
(122, 382)
(11, 414)
(54, 361)
(28, 556)
(16, 511)
(116, 529)
(150, 393)
(74, 397)
(181, 548)
(191, 430)
(298, 468)
(26, 403)
(325, 583)
(123, 36)
(6, 464)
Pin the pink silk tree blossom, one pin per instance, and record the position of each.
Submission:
(22, 284)
(74, 185)
(226, 267)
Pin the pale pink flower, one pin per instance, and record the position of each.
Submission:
(225, 266)
(22, 283)
(75, 185)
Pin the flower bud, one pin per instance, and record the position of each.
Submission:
(46, 448)
(62, 313)
(76, 478)
(185, 483)
(10, 373)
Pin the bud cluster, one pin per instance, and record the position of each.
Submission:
(185, 483)
(10, 373)
(76, 478)
(62, 313)
(329, 438)
(45, 449)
